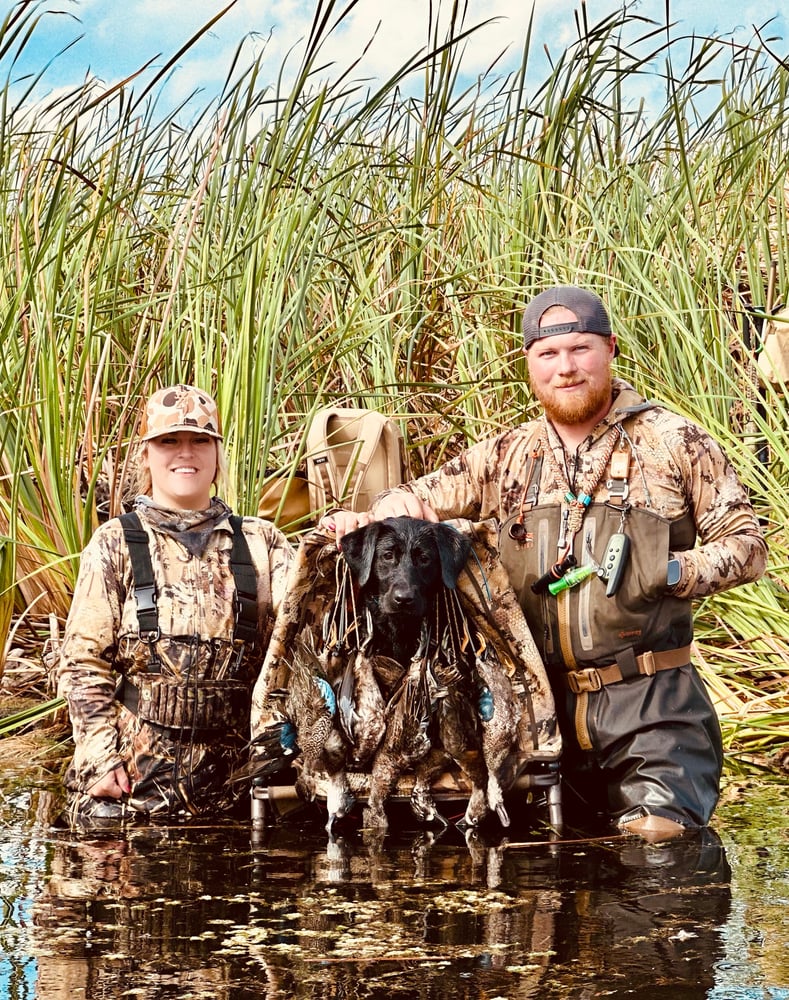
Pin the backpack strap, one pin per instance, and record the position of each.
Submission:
(368, 445)
(327, 490)
(241, 566)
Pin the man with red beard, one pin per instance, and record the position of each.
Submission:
(614, 514)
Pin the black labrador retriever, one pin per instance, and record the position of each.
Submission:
(399, 564)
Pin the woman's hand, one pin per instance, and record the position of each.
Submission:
(114, 785)
(343, 521)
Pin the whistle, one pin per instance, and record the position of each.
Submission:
(571, 579)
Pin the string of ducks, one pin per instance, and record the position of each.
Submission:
(349, 709)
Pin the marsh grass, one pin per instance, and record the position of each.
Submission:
(306, 241)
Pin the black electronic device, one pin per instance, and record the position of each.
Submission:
(612, 567)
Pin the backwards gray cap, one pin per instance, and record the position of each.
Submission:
(588, 307)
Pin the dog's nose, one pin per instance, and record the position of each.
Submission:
(406, 600)
(402, 598)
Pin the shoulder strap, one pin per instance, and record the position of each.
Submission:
(370, 432)
(241, 566)
(531, 489)
(142, 574)
(243, 569)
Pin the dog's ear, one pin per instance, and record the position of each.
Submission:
(453, 549)
(358, 547)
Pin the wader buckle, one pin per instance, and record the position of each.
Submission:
(646, 663)
(618, 490)
(581, 681)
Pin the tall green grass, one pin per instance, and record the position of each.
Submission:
(313, 241)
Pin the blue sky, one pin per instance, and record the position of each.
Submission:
(113, 38)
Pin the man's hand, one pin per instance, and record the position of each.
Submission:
(397, 503)
(114, 785)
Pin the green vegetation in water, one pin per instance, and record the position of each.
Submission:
(304, 242)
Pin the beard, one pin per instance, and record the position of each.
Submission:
(580, 408)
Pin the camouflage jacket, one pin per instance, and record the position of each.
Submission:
(678, 486)
(195, 602)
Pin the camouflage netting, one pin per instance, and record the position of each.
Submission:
(493, 618)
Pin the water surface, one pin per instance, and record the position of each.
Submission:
(212, 911)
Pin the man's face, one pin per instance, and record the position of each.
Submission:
(570, 373)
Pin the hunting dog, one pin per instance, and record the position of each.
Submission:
(399, 564)
(366, 699)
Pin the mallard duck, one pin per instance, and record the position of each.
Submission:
(499, 720)
(312, 705)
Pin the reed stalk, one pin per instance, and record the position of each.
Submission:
(309, 240)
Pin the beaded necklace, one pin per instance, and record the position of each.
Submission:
(575, 504)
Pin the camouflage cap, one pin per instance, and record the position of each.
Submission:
(180, 408)
(589, 310)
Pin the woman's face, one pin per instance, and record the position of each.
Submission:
(183, 467)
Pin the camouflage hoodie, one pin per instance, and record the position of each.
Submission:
(677, 469)
(195, 602)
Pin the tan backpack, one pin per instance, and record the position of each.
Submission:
(773, 359)
(351, 455)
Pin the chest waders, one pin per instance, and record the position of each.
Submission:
(209, 696)
(641, 734)
(589, 640)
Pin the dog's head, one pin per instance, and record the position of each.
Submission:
(402, 561)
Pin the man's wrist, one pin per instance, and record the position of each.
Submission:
(673, 573)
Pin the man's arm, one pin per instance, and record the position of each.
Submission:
(731, 548)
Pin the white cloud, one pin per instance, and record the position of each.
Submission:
(121, 36)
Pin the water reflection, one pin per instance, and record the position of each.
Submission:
(187, 912)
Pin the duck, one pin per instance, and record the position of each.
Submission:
(406, 740)
(458, 728)
(361, 708)
(311, 704)
(499, 717)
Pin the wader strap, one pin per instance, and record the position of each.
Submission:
(241, 566)
(246, 627)
(142, 574)
(617, 484)
(532, 492)
(626, 667)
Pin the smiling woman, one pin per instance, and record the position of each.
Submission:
(172, 612)
(183, 468)
(180, 456)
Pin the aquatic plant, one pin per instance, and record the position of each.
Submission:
(304, 240)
